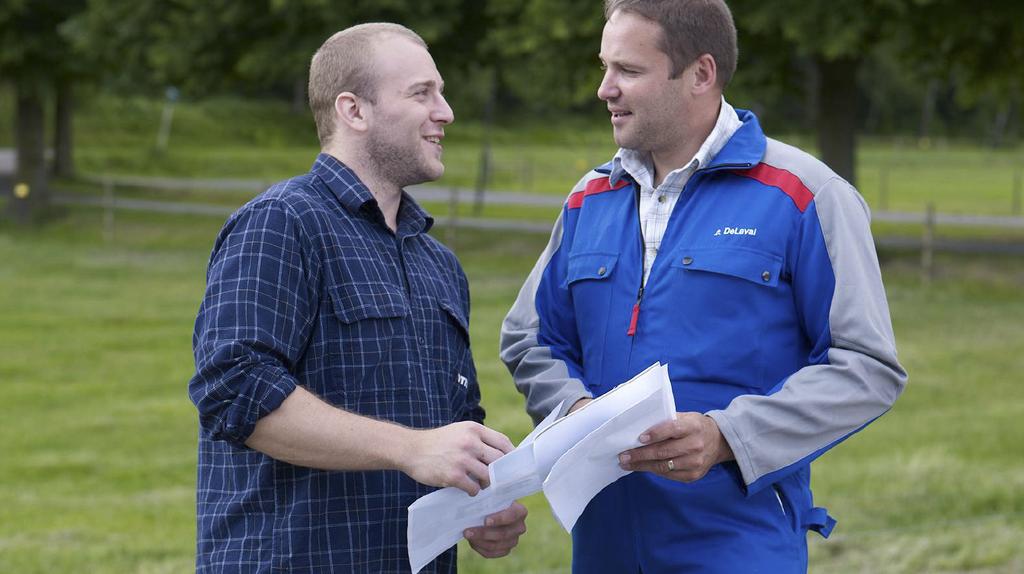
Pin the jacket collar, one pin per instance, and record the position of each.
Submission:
(744, 149)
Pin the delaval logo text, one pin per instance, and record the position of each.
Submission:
(736, 231)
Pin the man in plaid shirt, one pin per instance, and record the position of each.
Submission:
(334, 379)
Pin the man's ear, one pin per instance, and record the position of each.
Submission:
(352, 111)
(705, 74)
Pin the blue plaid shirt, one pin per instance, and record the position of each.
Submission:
(307, 286)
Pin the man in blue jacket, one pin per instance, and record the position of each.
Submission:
(334, 380)
(744, 264)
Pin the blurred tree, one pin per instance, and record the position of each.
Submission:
(985, 59)
(836, 37)
(978, 46)
(546, 51)
(852, 62)
(36, 58)
(213, 46)
(129, 42)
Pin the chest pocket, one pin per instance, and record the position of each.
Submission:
(450, 360)
(757, 267)
(589, 280)
(723, 301)
(364, 342)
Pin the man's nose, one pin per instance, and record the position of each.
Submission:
(443, 112)
(607, 90)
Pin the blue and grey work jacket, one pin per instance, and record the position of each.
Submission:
(767, 304)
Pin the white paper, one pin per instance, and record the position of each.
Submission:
(571, 459)
(544, 424)
(593, 463)
(552, 443)
(437, 520)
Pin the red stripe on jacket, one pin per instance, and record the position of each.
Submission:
(783, 180)
(594, 187)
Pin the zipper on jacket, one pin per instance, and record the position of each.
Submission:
(643, 258)
(723, 166)
(636, 311)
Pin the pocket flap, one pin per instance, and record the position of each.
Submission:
(455, 312)
(590, 266)
(755, 266)
(368, 300)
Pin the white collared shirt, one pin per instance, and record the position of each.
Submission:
(656, 204)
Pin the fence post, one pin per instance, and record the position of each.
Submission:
(108, 209)
(453, 217)
(483, 176)
(928, 245)
(883, 187)
(1018, 184)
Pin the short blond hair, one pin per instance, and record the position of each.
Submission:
(344, 63)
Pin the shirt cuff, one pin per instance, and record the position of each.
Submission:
(265, 389)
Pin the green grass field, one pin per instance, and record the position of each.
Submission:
(957, 180)
(98, 435)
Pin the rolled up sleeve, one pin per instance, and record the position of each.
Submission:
(254, 321)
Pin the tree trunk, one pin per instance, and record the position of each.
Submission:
(931, 95)
(30, 194)
(837, 115)
(997, 135)
(63, 161)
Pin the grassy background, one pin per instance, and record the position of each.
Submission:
(98, 435)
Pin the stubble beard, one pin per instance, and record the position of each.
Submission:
(399, 164)
(632, 139)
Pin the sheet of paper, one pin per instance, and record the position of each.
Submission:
(593, 463)
(544, 424)
(570, 458)
(552, 443)
(437, 520)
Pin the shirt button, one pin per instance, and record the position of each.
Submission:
(661, 199)
(766, 276)
(687, 260)
(602, 271)
(423, 341)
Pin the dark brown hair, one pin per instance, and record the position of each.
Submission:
(689, 28)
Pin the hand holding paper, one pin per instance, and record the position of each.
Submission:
(437, 520)
(591, 463)
(692, 442)
(457, 454)
(500, 532)
(571, 459)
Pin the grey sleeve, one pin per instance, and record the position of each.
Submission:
(545, 373)
(854, 376)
